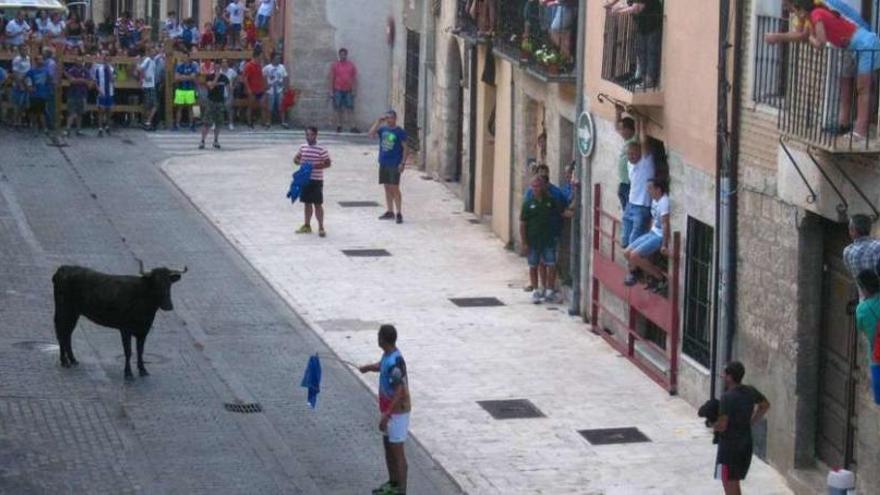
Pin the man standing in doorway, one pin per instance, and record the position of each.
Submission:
(343, 84)
(312, 195)
(393, 156)
(536, 230)
(394, 405)
(741, 407)
(864, 252)
(626, 128)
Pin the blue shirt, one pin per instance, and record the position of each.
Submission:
(392, 373)
(391, 140)
(3, 75)
(41, 81)
(186, 69)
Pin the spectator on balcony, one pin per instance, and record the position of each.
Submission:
(831, 27)
(532, 18)
(864, 251)
(640, 169)
(17, 30)
(640, 250)
(564, 16)
(74, 32)
(343, 84)
(483, 14)
(54, 30)
(264, 15)
(235, 13)
(648, 18)
(124, 29)
(626, 128)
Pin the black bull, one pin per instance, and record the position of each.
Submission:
(127, 303)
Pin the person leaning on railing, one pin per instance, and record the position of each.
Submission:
(831, 27)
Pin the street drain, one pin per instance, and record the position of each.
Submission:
(358, 204)
(246, 408)
(511, 409)
(365, 253)
(476, 302)
(474, 221)
(611, 436)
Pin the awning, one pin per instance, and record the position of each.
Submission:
(32, 5)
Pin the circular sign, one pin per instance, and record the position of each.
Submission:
(585, 134)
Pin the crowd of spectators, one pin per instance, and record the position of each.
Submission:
(96, 59)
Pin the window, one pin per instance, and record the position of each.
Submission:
(697, 305)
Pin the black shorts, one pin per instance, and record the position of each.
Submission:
(733, 464)
(313, 193)
(38, 105)
(389, 175)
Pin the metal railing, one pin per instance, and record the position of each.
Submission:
(544, 38)
(822, 104)
(632, 51)
(770, 60)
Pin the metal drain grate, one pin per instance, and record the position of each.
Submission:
(476, 302)
(358, 204)
(247, 408)
(511, 409)
(365, 253)
(474, 221)
(611, 436)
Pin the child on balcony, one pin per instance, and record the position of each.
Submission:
(640, 251)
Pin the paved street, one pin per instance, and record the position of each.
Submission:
(230, 339)
(456, 356)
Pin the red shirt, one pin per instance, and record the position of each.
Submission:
(207, 39)
(344, 74)
(253, 77)
(838, 30)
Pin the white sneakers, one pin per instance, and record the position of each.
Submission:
(547, 295)
(537, 296)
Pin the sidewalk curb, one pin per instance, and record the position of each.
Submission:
(316, 329)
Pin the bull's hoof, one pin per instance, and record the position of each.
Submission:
(128, 375)
(74, 362)
(143, 372)
(65, 363)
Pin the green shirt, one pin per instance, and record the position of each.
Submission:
(623, 161)
(538, 214)
(867, 314)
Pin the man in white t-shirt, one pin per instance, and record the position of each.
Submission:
(264, 15)
(276, 82)
(17, 30)
(641, 249)
(21, 64)
(147, 72)
(236, 18)
(640, 165)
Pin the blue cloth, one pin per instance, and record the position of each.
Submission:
(391, 140)
(3, 75)
(41, 82)
(312, 380)
(850, 13)
(186, 69)
(300, 178)
(866, 46)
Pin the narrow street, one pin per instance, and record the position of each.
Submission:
(229, 340)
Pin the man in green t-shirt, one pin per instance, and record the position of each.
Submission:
(537, 234)
(626, 127)
(868, 310)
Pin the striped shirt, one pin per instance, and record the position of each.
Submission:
(862, 254)
(313, 154)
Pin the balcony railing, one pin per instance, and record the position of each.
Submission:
(466, 21)
(822, 104)
(542, 39)
(632, 51)
(770, 60)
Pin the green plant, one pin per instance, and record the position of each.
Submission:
(548, 56)
(526, 45)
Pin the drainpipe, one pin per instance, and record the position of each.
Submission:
(581, 172)
(513, 224)
(426, 82)
(727, 144)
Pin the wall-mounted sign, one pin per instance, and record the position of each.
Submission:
(586, 134)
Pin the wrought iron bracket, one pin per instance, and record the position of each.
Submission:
(604, 98)
(843, 206)
(852, 183)
(811, 198)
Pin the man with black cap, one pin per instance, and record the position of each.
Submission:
(740, 407)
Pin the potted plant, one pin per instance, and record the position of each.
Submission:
(525, 49)
(550, 58)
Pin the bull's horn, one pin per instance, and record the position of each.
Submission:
(140, 265)
(185, 269)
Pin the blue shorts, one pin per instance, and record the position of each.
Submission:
(545, 255)
(866, 46)
(20, 98)
(343, 99)
(263, 21)
(105, 101)
(647, 244)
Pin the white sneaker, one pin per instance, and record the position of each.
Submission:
(537, 296)
(231, 127)
(551, 296)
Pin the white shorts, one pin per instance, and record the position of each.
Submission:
(398, 426)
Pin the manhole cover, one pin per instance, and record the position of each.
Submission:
(365, 253)
(247, 408)
(358, 204)
(149, 358)
(476, 302)
(474, 221)
(36, 345)
(511, 409)
(611, 436)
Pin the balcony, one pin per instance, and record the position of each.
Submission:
(647, 331)
(631, 58)
(542, 40)
(815, 92)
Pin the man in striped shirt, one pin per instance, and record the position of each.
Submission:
(313, 193)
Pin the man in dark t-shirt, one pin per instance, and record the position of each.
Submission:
(217, 84)
(741, 406)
